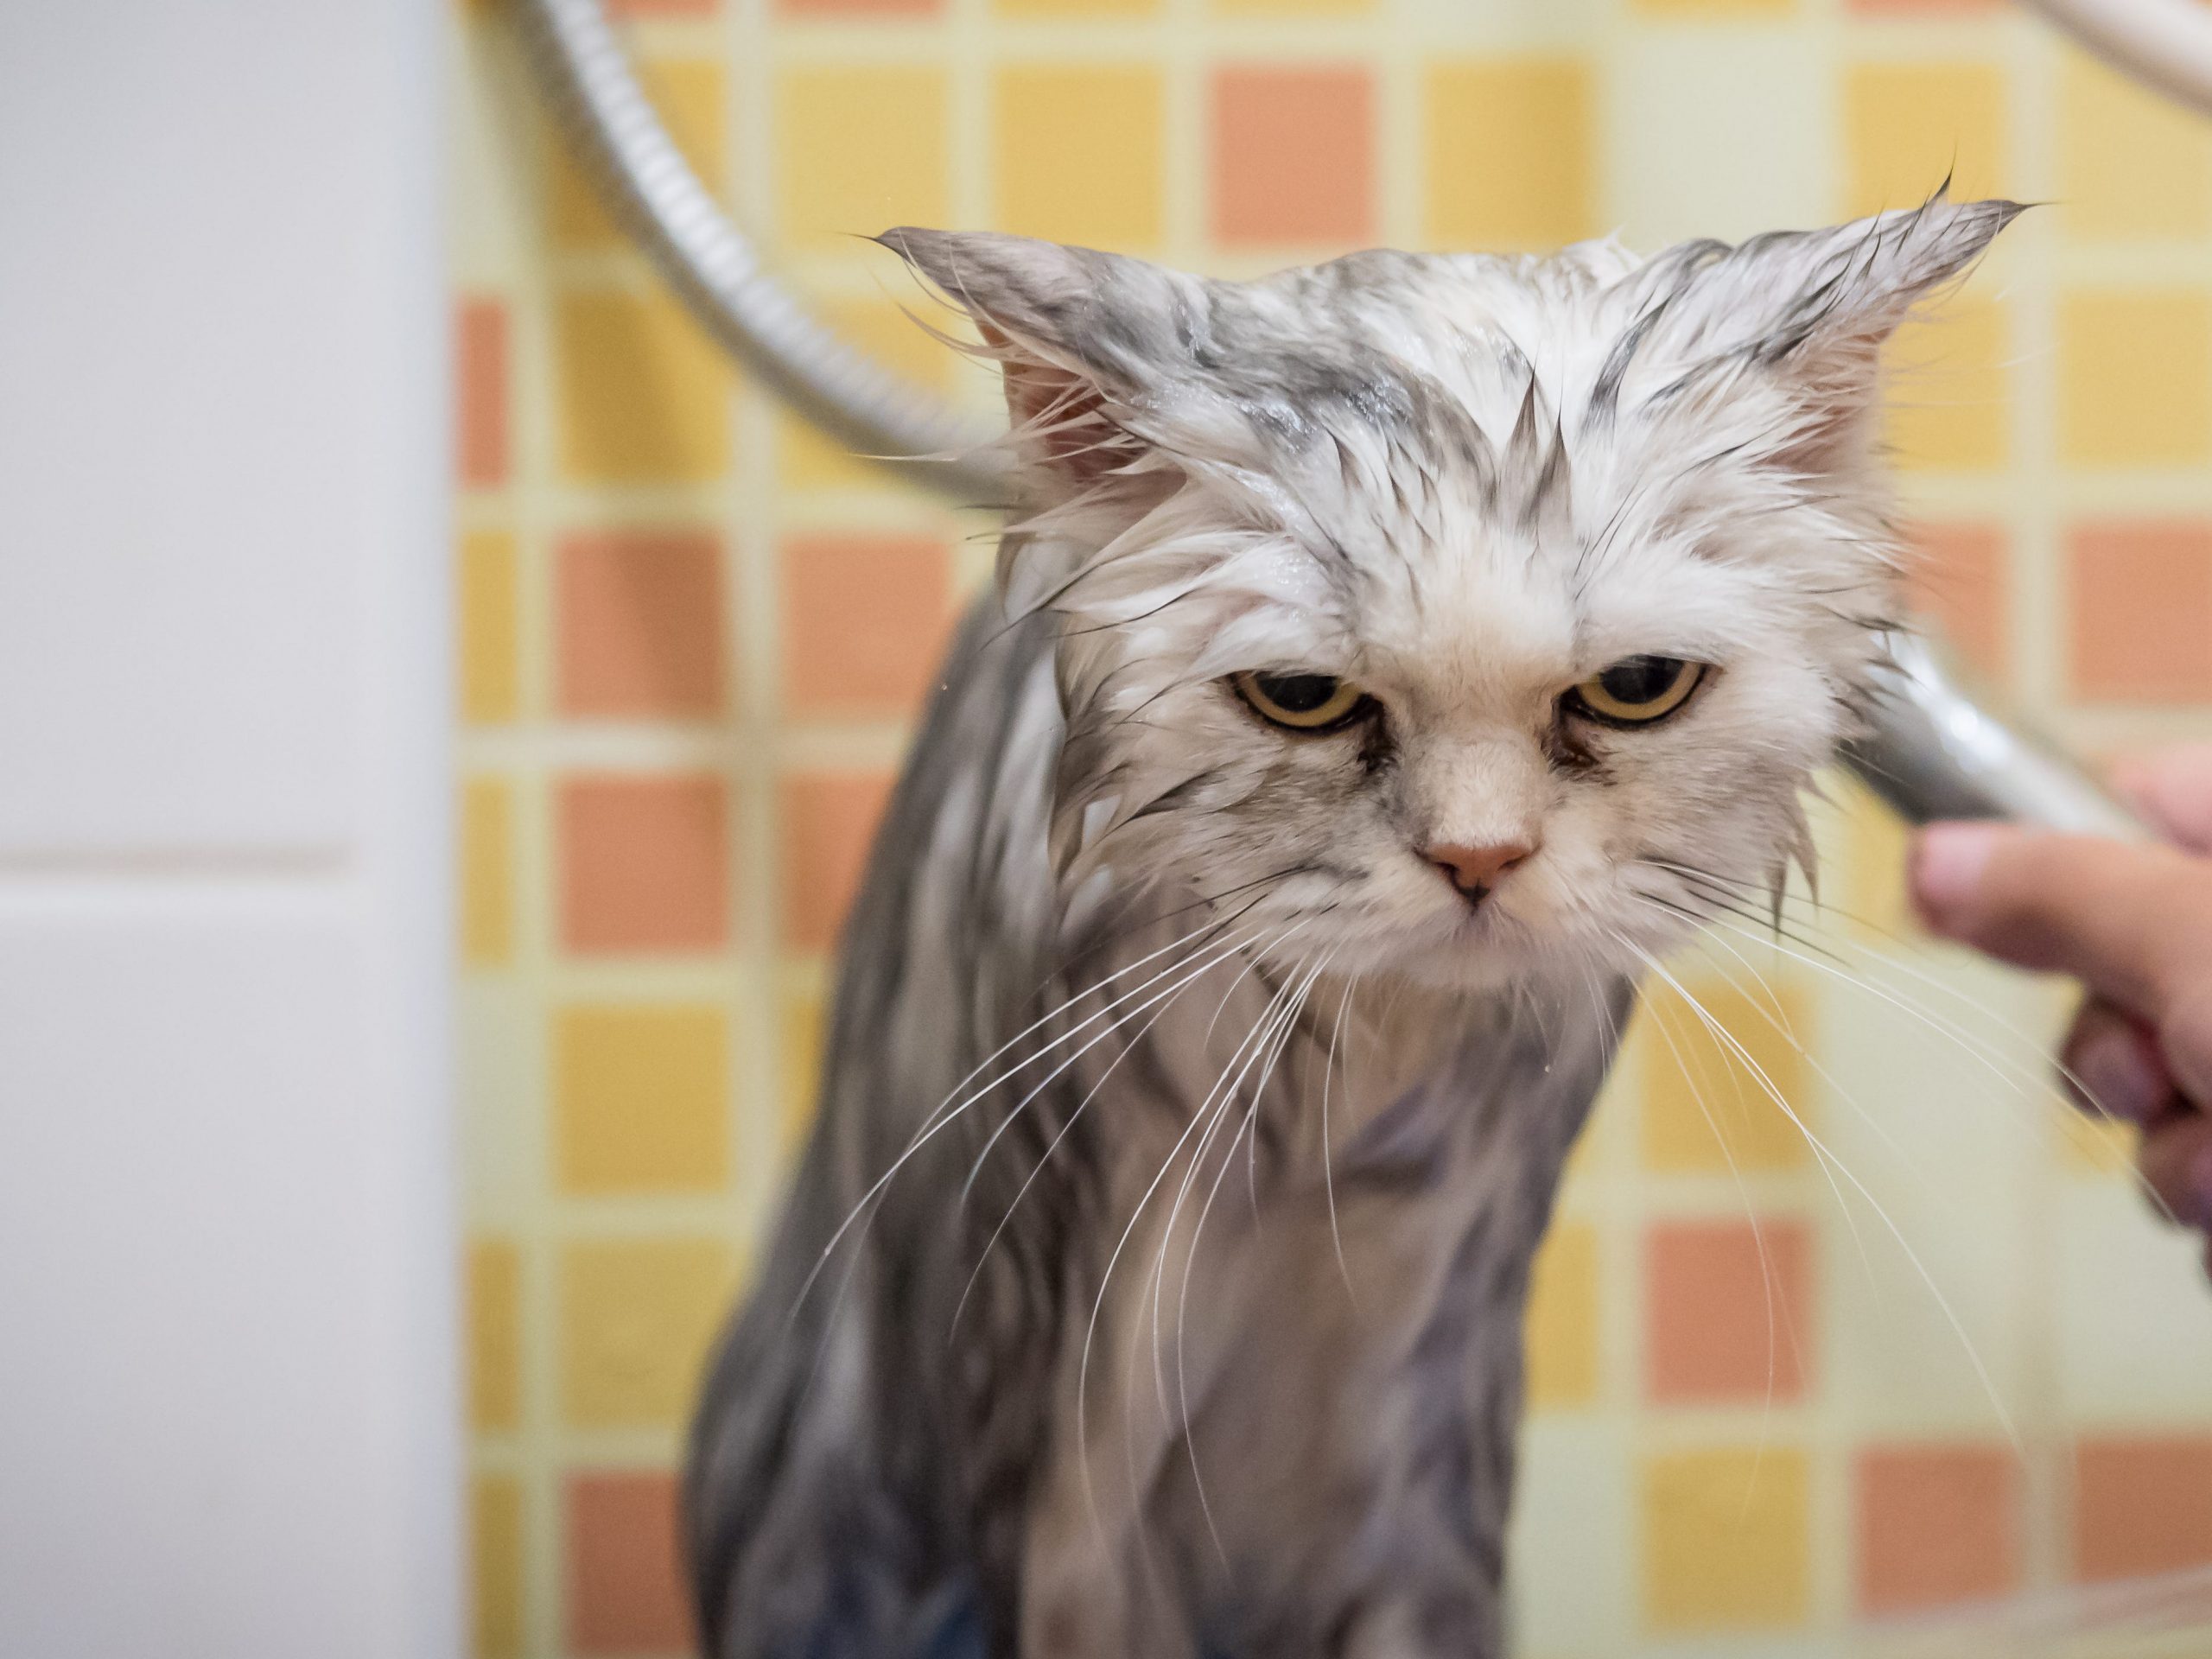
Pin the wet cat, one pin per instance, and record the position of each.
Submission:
(1391, 661)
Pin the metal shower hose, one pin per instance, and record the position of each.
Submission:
(1934, 752)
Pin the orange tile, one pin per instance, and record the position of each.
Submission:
(1936, 1525)
(640, 623)
(2141, 1506)
(624, 1565)
(1294, 156)
(1721, 1324)
(2140, 598)
(643, 864)
(865, 618)
(480, 420)
(829, 820)
(1962, 582)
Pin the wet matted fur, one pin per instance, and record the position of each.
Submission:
(1152, 1284)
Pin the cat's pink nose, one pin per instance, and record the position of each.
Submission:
(1476, 870)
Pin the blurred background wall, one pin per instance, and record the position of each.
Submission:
(1772, 1404)
(227, 1308)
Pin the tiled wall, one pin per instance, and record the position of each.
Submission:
(693, 638)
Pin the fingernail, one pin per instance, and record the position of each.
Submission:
(1946, 866)
(2113, 1072)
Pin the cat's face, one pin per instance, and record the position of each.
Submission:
(1468, 619)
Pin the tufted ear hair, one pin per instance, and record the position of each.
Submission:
(1811, 307)
(1086, 341)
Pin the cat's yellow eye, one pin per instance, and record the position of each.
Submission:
(1304, 703)
(1637, 690)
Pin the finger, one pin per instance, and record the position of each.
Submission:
(2176, 1163)
(2134, 923)
(2173, 789)
(2113, 1066)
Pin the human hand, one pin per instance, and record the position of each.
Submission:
(2134, 924)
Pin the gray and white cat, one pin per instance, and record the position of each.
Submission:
(1392, 659)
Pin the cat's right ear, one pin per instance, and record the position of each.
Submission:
(1083, 339)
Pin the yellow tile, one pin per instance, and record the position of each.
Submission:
(495, 1567)
(893, 337)
(1949, 389)
(2132, 162)
(1079, 154)
(490, 680)
(858, 151)
(1725, 1539)
(2135, 378)
(689, 93)
(641, 1100)
(637, 1318)
(1562, 1325)
(804, 1014)
(1509, 151)
(1701, 1102)
(1908, 125)
(488, 881)
(494, 1336)
(644, 396)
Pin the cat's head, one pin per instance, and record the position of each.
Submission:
(1466, 617)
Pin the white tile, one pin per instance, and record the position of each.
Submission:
(214, 310)
(225, 1304)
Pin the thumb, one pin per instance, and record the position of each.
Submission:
(2133, 922)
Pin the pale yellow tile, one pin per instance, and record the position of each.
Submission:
(1562, 1323)
(636, 1319)
(1949, 389)
(1703, 1102)
(1510, 152)
(1908, 125)
(642, 395)
(1702, 10)
(641, 1099)
(495, 1529)
(2135, 378)
(1079, 154)
(487, 879)
(1726, 1540)
(1076, 8)
(860, 150)
(495, 1310)
(1293, 7)
(488, 627)
(2132, 162)
(692, 97)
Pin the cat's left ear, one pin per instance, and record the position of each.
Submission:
(1813, 308)
(1083, 339)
